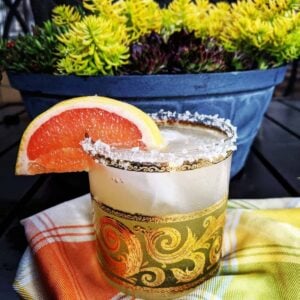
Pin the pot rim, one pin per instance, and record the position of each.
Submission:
(147, 86)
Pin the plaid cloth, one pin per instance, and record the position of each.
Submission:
(261, 254)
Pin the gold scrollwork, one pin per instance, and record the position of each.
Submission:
(120, 248)
(215, 250)
(186, 275)
(162, 254)
(153, 276)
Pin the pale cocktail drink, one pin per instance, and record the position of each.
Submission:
(159, 214)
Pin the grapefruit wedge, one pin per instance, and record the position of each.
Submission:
(51, 142)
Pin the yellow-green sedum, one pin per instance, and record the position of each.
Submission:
(180, 14)
(98, 43)
(109, 9)
(271, 27)
(94, 45)
(202, 17)
(64, 15)
(211, 22)
(139, 16)
(96, 38)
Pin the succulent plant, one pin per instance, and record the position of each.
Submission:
(147, 56)
(137, 36)
(188, 54)
(180, 14)
(32, 52)
(182, 53)
(2, 57)
(2, 54)
(138, 16)
(268, 30)
(65, 15)
(213, 19)
(95, 45)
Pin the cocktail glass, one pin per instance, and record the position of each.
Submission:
(159, 215)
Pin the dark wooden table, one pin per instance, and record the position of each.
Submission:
(272, 170)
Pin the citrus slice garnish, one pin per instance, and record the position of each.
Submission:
(51, 142)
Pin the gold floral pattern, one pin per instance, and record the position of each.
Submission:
(161, 255)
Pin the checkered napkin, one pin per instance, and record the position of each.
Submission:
(261, 254)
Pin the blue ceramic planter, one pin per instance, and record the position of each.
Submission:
(242, 97)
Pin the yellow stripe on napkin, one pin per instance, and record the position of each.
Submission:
(289, 215)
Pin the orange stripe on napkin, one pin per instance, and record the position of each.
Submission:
(67, 259)
(60, 227)
(72, 271)
(60, 236)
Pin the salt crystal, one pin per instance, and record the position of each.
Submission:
(207, 149)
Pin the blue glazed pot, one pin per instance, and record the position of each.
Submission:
(242, 97)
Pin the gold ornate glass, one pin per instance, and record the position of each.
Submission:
(159, 226)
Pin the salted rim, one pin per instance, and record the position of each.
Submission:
(136, 159)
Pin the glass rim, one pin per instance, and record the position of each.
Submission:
(154, 161)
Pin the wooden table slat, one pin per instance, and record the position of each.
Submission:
(12, 188)
(11, 251)
(286, 116)
(6, 110)
(11, 134)
(292, 103)
(281, 152)
(285, 164)
(243, 184)
(272, 133)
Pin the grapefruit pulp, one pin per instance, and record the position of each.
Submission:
(51, 142)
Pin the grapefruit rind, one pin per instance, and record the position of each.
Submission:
(151, 136)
